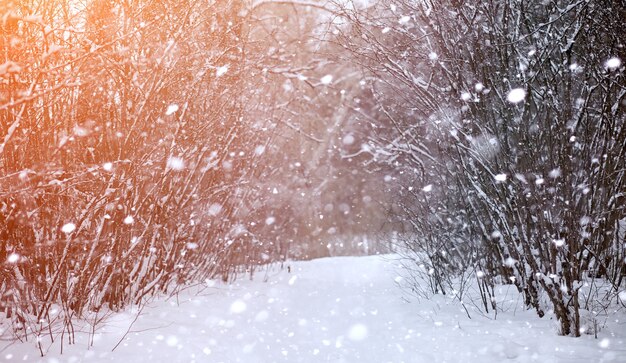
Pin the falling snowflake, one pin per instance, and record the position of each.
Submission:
(68, 228)
(129, 220)
(555, 173)
(327, 79)
(80, 131)
(270, 220)
(259, 150)
(261, 316)
(220, 71)
(428, 188)
(171, 109)
(13, 258)
(171, 341)
(348, 139)
(613, 63)
(175, 163)
(500, 177)
(516, 95)
(604, 343)
(521, 178)
(238, 307)
(214, 209)
(357, 332)
(404, 20)
(510, 262)
(107, 166)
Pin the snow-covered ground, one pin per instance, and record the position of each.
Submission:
(340, 309)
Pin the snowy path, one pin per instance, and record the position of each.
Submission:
(342, 309)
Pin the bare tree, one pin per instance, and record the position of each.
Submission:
(521, 107)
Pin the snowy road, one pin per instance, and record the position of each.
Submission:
(341, 309)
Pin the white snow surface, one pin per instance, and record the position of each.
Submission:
(339, 309)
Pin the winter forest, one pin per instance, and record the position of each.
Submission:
(413, 180)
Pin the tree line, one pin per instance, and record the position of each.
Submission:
(508, 120)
